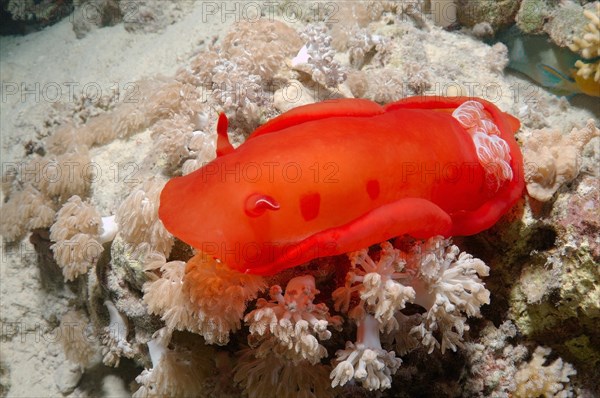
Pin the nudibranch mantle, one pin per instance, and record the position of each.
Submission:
(341, 175)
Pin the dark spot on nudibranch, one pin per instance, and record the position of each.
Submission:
(310, 204)
(373, 189)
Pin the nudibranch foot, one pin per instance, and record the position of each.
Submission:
(416, 217)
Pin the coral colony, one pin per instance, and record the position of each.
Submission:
(330, 325)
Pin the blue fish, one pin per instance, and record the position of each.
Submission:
(547, 64)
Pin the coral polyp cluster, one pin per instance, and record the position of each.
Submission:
(431, 274)
(293, 328)
(588, 45)
(400, 318)
(202, 296)
(291, 324)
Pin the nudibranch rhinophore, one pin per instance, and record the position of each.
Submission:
(341, 175)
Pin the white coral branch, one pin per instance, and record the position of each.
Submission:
(365, 361)
(293, 320)
(378, 283)
(447, 285)
(433, 274)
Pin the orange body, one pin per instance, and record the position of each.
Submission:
(341, 175)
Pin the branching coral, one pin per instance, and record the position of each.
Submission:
(447, 284)
(433, 274)
(291, 329)
(553, 159)
(292, 320)
(316, 58)
(79, 233)
(533, 379)
(588, 45)
(376, 284)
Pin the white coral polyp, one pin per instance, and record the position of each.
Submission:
(378, 283)
(447, 285)
(316, 57)
(293, 320)
(365, 361)
(433, 274)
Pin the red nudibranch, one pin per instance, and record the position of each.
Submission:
(337, 176)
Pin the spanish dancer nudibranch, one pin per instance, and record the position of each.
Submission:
(338, 176)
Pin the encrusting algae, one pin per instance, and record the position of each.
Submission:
(404, 317)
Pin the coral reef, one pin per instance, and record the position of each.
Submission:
(497, 14)
(533, 14)
(566, 20)
(384, 321)
(365, 361)
(544, 300)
